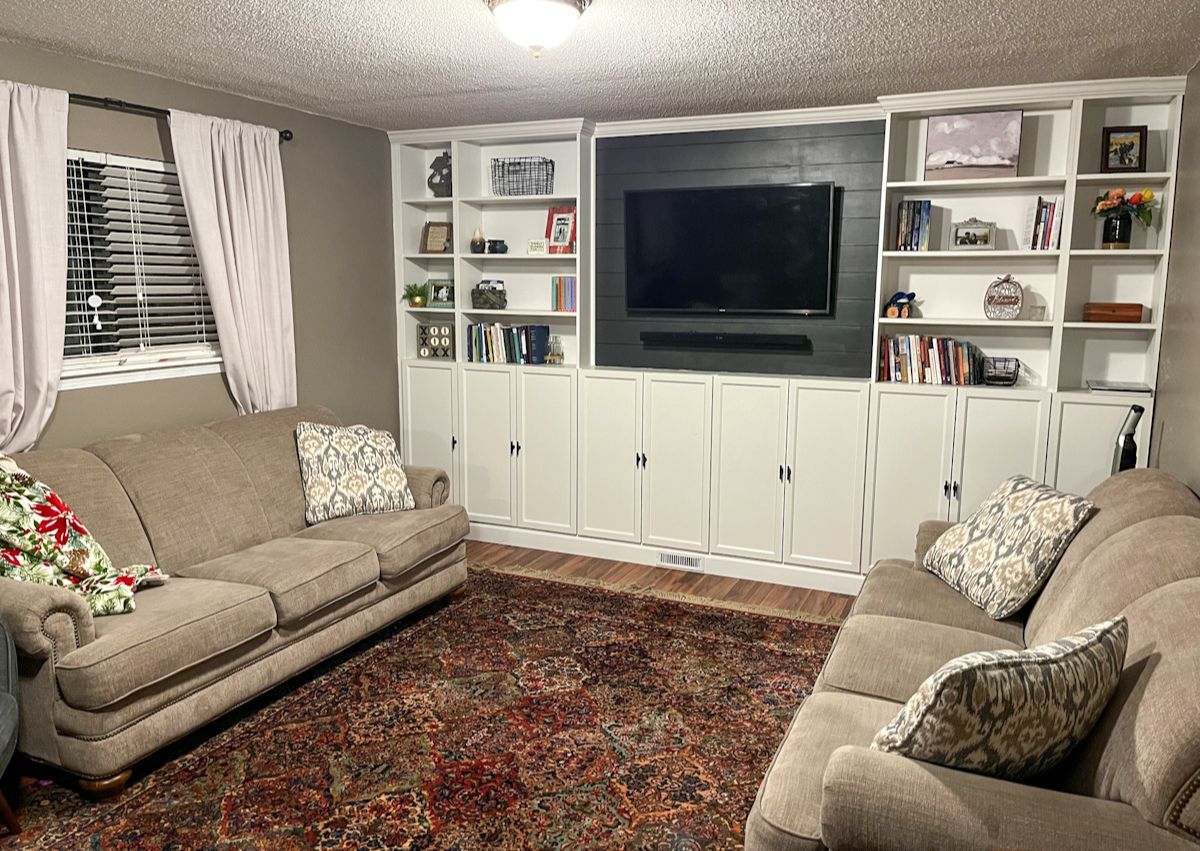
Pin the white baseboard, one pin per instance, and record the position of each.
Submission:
(815, 578)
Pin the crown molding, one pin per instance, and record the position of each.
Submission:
(740, 120)
(496, 132)
(1140, 87)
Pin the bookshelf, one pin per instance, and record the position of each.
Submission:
(515, 219)
(1059, 156)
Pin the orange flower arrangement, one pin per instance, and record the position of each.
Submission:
(1115, 202)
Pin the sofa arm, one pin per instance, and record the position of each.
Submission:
(430, 486)
(875, 801)
(45, 622)
(928, 532)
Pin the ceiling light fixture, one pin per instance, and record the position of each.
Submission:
(537, 24)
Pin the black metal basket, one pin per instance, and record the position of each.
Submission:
(1002, 372)
(522, 176)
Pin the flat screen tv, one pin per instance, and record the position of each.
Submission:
(744, 249)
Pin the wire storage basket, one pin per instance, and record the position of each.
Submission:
(522, 176)
(1002, 372)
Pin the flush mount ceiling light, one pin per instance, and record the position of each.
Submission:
(537, 24)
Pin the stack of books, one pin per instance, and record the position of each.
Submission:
(519, 344)
(1044, 225)
(914, 359)
(562, 293)
(912, 225)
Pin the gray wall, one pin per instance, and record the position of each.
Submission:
(1177, 407)
(851, 155)
(337, 178)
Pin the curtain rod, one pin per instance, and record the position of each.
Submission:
(125, 106)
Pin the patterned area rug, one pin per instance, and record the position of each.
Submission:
(520, 713)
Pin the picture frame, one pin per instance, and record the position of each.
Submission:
(441, 294)
(560, 230)
(973, 145)
(1123, 149)
(972, 235)
(437, 238)
(537, 247)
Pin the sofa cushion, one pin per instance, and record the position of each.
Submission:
(191, 492)
(266, 443)
(896, 589)
(175, 626)
(787, 811)
(350, 470)
(890, 657)
(1011, 713)
(302, 576)
(402, 539)
(1001, 555)
(1121, 501)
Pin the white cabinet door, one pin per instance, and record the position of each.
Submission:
(749, 437)
(546, 457)
(909, 449)
(610, 444)
(997, 434)
(1083, 438)
(430, 417)
(488, 443)
(827, 456)
(676, 449)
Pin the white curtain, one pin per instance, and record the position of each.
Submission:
(232, 182)
(33, 258)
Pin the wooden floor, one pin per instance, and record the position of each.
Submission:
(744, 591)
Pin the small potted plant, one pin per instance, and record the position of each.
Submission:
(414, 294)
(1118, 211)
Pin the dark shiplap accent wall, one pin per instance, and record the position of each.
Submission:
(849, 154)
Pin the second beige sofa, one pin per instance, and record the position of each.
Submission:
(255, 595)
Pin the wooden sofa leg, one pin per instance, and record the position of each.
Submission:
(8, 818)
(107, 787)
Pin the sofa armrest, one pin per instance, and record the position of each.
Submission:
(928, 532)
(430, 486)
(878, 801)
(45, 622)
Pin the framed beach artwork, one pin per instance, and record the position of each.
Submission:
(973, 145)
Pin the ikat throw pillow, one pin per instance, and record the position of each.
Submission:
(1011, 713)
(349, 470)
(1000, 556)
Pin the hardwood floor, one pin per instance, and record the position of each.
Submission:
(723, 588)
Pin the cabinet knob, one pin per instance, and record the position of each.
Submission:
(956, 490)
(645, 460)
(518, 449)
(789, 472)
(453, 443)
(946, 489)
(512, 447)
(781, 472)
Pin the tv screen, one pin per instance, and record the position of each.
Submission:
(749, 249)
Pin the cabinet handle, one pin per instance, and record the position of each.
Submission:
(789, 472)
(946, 489)
(637, 459)
(956, 490)
(512, 447)
(518, 449)
(453, 443)
(645, 460)
(781, 472)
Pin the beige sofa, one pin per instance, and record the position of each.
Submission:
(255, 595)
(1133, 783)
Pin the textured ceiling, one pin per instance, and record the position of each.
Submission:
(398, 64)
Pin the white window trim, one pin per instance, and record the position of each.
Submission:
(184, 361)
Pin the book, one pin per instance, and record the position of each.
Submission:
(515, 344)
(918, 359)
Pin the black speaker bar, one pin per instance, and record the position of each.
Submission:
(701, 340)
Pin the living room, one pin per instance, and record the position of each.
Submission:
(493, 425)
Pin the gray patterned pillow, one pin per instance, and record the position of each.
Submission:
(350, 470)
(1011, 713)
(1001, 555)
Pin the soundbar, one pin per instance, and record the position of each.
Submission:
(703, 340)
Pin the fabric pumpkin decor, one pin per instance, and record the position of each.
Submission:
(42, 541)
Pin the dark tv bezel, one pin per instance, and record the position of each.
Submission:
(828, 309)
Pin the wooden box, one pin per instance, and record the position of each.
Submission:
(1115, 311)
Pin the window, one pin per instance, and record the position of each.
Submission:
(136, 303)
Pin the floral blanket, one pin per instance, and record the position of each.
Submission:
(42, 541)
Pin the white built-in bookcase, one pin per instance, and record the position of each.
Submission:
(1060, 155)
(517, 220)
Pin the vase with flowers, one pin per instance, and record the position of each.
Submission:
(1118, 211)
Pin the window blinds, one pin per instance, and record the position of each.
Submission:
(135, 295)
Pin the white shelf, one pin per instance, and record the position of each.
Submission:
(566, 314)
(999, 324)
(520, 200)
(537, 258)
(428, 202)
(1132, 327)
(1118, 253)
(447, 256)
(980, 183)
(428, 311)
(1050, 254)
(1129, 179)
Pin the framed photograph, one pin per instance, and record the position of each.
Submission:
(972, 235)
(560, 230)
(537, 246)
(973, 145)
(1123, 150)
(437, 238)
(441, 294)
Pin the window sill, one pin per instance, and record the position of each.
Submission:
(80, 377)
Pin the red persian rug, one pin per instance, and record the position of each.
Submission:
(520, 713)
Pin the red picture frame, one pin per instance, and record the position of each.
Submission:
(561, 222)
